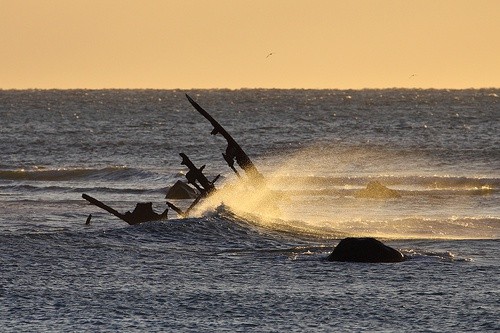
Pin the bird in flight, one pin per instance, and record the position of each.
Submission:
(270, 54)
(412, 76)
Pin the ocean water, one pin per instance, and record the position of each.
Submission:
(250, 260)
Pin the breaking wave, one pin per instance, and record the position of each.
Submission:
(407, 228)
(219, 234)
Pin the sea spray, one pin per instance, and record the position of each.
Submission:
(326, 206)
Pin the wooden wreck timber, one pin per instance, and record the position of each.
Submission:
(233, 153)
(195, 175)
(196, 178)
(143, 212)
(181, 190)
(233, 150)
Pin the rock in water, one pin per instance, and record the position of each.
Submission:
(378, 191)
(364, 250)
(181, 190)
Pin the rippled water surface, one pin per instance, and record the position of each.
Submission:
(250, 260)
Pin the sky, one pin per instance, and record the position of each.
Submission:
(163, 44)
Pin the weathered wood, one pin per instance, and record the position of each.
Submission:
(233, 150)
(103, 206)
(181, 190)
(176, 209)
(143, 212)
(196, 174)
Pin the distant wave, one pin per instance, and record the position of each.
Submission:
(70, 189)
(415, 180)
(405, 185)
(403, 193)
(68, 174)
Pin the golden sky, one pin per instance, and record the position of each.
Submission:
(225, 44)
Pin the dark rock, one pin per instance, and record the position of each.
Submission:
(181, 190)
(364, 250)
(375, 189)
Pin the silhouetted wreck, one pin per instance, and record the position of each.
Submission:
(180, 191)
(201, 186)
(196, 178)
(233, 150)
(143, 212)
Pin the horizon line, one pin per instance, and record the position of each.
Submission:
(253, 88)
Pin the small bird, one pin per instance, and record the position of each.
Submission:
(270, 54)
(412, 76)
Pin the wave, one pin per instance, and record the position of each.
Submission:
(434, 182)
(69, 174)
(192, 235)
(483, 227)
(431, 256)
(28, 188)
(403, 193)
(406, 186)
(220, 234)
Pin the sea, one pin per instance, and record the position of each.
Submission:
(250, 259)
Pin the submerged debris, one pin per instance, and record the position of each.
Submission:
(181, 190)
(143, 212)
(196, 178)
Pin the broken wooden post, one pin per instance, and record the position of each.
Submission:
(233, 150)
(143, 211)
(194, 176)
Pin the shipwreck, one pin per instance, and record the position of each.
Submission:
(198, 186)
